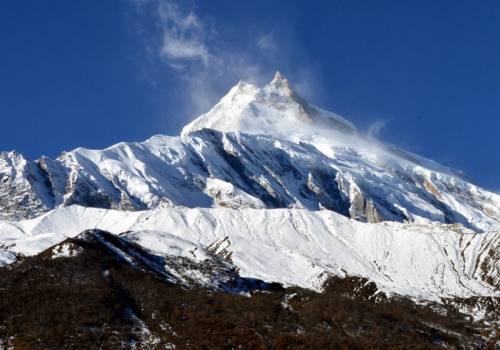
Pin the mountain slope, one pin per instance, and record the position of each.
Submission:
(258, 148)
(292, 247)
(82, 294)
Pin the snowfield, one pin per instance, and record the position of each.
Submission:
(290, 246)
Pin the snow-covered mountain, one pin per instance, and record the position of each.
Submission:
(264, 186)
(259, 147)
(295, 247)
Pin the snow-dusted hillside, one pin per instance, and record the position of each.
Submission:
(291, 246)
(257, 148)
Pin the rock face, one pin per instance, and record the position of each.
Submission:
(257, 148)
(25, 189)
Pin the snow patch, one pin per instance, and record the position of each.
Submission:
(66, 250)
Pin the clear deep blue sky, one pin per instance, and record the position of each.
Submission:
(92, 73)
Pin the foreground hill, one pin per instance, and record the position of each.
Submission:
(86, 294)
(295, 247)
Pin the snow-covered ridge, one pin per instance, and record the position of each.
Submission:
(294, 247)
(259, 147)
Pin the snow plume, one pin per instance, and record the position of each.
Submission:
(375, 129)
(199, 57)
(205, 61)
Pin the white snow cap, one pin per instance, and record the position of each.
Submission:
(274, 109)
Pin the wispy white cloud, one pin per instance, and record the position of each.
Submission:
(191, 47)
(176, 48)
(183, 34)
(207, 62)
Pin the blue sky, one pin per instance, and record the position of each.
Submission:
(424, 75)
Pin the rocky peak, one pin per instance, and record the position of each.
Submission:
(281, 85)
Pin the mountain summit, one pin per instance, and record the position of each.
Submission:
(280, 83)
(274, 109)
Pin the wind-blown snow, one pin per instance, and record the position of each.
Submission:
(291, 246)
